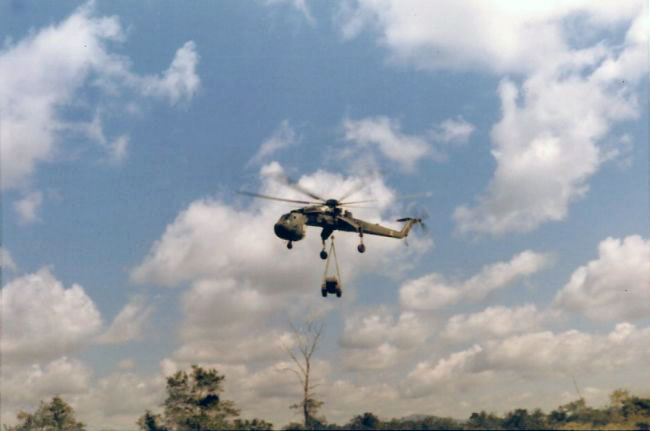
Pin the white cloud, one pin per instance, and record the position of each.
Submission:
(299, 5)
(377, 340)
(129, 324)
(283, 137)
(454, 369)
(453, 131)
(493, 322)
(544, 156)
(372, 329)
(381, 357)
(433, 291)
(26, 384)
(492, 35)
(28, 207)
(126, 364)
(386, 134)
(117, 148)
(119, 399)
(532, 356)
(42, 320)
(614, 286)
(179, 82)
(6, 261)
(47, 70)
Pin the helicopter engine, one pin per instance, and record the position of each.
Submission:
(291, 226)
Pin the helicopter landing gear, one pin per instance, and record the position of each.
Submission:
(289, 245)
(361, 248)
(323, 253)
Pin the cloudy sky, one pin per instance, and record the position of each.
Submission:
(126, 127)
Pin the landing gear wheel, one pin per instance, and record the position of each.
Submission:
(323, 255)
(361, 248)
(324, 293)
(289, 245)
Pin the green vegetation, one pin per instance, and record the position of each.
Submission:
(194, 402)
(56, 415)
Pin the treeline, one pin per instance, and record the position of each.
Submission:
(194, 403)
(625, 412)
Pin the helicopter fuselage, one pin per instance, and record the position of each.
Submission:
(291, 226)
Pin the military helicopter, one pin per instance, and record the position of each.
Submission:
(330, 215)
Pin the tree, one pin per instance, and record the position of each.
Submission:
(308, 338)
(483, 420)
(252, 425)
(520, 419)
(57, 415)
(366, 421)
(193, 403)
(151, 422)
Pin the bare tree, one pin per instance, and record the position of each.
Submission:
(308, 337)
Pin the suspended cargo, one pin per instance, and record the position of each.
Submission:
(332, 283)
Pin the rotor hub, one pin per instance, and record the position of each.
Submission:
(332, 203)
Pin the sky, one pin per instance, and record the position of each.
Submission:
(126, 129)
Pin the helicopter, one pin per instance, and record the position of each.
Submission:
(330, 215)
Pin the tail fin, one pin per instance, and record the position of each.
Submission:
(410, 222)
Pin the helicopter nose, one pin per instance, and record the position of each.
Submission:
(281, 230)
(289, 233)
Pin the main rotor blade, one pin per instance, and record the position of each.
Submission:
(257, 195)
(399, 198)
(294, 185)
(413, 196)
(355, 189)
(357, 202)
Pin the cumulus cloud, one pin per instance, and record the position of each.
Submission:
(299, 5)
(129, 324)
(453, 131)
(434, 291)
(119, 398)
(376, 340)
(25, 385)
(386, 135)
(28, 207)
(48, 69)
(614, 286)
(492, 35)
(43, 320)
(493, 322)
(532, 355)
(284, 136)
(179, 82)
(6, 261)
(371, 329)
(117, 148)
(544, 156)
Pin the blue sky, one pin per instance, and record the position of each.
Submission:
(127, 127)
